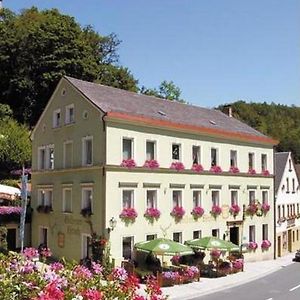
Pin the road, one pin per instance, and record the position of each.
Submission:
(281, 285)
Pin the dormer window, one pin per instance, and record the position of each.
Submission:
(56, 118)
(69, 117)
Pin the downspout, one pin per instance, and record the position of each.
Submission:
(274, 206)
(104, 176)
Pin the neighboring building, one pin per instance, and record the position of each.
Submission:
(85, 133)
(287, 204)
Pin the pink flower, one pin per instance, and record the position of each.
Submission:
(216, 210)
(265, 173)
(215, 253)
(197, 212)
(152, 213)
(30, 253)
(265, 207)
(252, 245)
(251, 209)
(82, 272)
(234, 170)
(128, 214)
(152, 164)
(178, 166)
(216, 169)
(45, 252)
(178, 212)
(251, 171)
(91, 294)
(234, 209)
(97, 268)
(51, 292)
(128, 163)
(197, 168)
(8, 210)
(238, 264)
(56, 267)
(119, 273)
(266, 244)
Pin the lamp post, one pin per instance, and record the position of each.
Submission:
(112, 224)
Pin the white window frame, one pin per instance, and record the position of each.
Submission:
(55, 122)
(155, 198)
(84, 151)
(180, 202)
(132, 147)
(263, 199)
(199, 154)
(249, 196)
(83, 190)
(180, 236)
(132, 237)
(217, 156)
(64, 200)
(68, 119)
(199, 234)
(132, 192)
(264, 161)
(150, 234)
(253, 160)
(40, 235)
(197, 202)
(179, 149)
(232, 200)
(42, 163)
(218, 198)
(46, 201)
(155, 149)
(65, 154)
(235, 158)
(84, 245)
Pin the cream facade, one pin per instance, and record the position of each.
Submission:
(287, 207)
(77, 151)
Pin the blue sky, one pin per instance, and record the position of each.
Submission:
(216, 51)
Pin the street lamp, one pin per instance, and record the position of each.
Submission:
(112, 224)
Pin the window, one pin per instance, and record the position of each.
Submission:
(298, 209)
(43, 236)
(127, 148)
(283, 211)
(45, 197)
(67, 200)
(50, 157)
(215, 232)
(87, 199)
(278, 212)
(233, 158)
(265, 232)
(196, 155)
(150, 150)
(56, 118)
(68, 154)
(287, 185)
(215, 197)
(196, 198)
(234, 198)
(127, 247)
(213, 157)
(293, 185)
(251, 161)
(150, 237)
(69, 117)
(197, 234)
(252, 233)
(176, 151)
(251, 196)
(177, 237)
(290, 165)
(87, 151)
(42, 158)
(151, 199)
(265, 198)
(85, 246)
(264, 162)
(177, 198)
(127, 199)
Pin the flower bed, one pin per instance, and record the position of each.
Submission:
(197, 168)
(178, 212)
(265, 245)
(128, 163)
(152, 214)
(215, 253)
(151, 164)
(197, 212)
(22, 279)
(128, 215)
(234, 210)
(216, 210)
(178, 166)
(216, 169)
(252, 246)
(234, 170)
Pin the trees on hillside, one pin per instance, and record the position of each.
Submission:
(38, 47)
(278, 121)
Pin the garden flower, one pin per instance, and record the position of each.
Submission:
(216, 210)
(128, 214)
(266, 244)
(56, 266)
(197, 212)
(45, 252)
(265, 173)
(128, 163)
(51, 292)
(252, 245)
(151, 164)
(197, 168)
(30, 253)
(251, 209)
(234, 170)
(92, 294)
(152, 213)
(215, 253)
(8, 210)
(178, 166)
(216, 169)
(251, 171)
(119, 273)
(265, 207)
(97, 268)
(178, 212)
(82, 272)
(234, 209)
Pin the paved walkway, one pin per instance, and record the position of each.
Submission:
(252, 271)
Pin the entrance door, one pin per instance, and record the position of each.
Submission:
(11, 239)
(290, 240)
(234, 235)
(279, 246)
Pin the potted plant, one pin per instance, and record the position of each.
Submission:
(234, 209)
(152, 214)
(251, 171)
(265, 208)
(234, 170)
(252, 246)
(252, 209)
(216, 210)
(151, 164)
(265, 244)
(178, 212)
(86, 212)
(197, 212)
(265, 173)
(216, 169)
(197, 168)
(128, 215)
(177, 165)
(128, 163)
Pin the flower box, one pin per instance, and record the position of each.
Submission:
(251, 171)
(216, 210)
(151, 164)
(128, 163)
(216, 169)
(234, 210)
(178, 212)
(265, 208)
(252, 246)
(251, 209)
(152, 214)
(128, 215)
(197, 212)
(265, 245)
(234, 170)
(197, 168)
(215, 253)
(178, 166)
(265, 173)
(44, 209)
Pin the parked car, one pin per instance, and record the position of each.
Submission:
(297, 256)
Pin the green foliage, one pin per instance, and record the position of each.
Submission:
(166, 90)
(5, 112)
(3, 241)
(10, 182)
(38, 47)
(15, 145)
(278, 121)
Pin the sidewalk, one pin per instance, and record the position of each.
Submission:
(252, 271)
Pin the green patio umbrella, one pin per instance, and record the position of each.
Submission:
(210, 242)
(162, 246)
